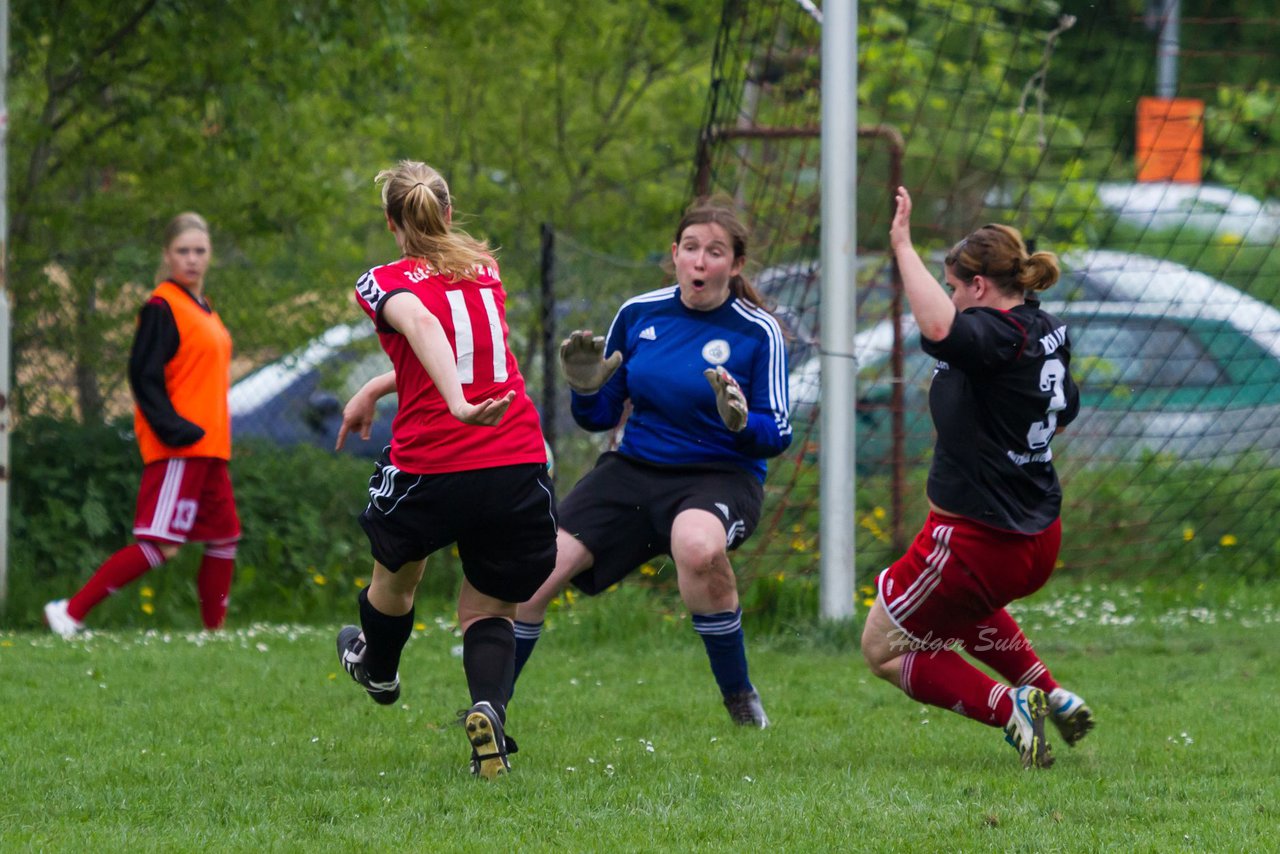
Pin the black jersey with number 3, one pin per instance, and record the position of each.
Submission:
(1001, 388)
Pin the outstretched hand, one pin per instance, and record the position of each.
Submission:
(730, 402)
(486, 413)
(357, 417)
(900, 228)
(583, 364)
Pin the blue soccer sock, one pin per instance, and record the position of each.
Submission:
(527, 635)
(726, 648)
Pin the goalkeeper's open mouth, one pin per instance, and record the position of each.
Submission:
(698, 284)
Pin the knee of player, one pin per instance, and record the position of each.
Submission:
(535, 608)
(874, 653)
(709, 570)
(701, 555)
(168, 551)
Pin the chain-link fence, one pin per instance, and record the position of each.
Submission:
(1002, 111)
(1155, 196)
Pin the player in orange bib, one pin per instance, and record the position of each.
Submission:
(180, 373)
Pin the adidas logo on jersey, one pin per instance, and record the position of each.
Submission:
(649, 334)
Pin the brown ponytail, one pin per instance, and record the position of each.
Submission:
(998, 252)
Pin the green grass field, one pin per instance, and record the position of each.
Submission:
(253, 740)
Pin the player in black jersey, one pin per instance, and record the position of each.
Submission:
(1001, 390)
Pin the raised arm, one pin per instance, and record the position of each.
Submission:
(932, 308)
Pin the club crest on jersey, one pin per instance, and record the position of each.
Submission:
(716, 351)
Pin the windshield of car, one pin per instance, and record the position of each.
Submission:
(1143, 352)
(348, 369)
(1117, 353)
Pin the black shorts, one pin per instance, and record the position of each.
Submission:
(622, 511)
(503, 520)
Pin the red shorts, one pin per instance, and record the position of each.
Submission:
(958, 573)
(186, 499)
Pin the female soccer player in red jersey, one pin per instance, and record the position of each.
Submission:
(1001, 389)
(180, 373)
(460, 472)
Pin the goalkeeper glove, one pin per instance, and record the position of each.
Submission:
(583, 364)
(730, 403)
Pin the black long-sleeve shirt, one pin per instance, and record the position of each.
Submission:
(1000, 391)
(154, 344)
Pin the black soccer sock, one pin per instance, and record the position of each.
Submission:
(527, 635)
(488, 659)
(384, 637)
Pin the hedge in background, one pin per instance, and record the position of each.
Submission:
(302, 559)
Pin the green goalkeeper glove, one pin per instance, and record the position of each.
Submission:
(583, 364)
(730, 403)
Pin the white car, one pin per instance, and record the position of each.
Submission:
(1169, 360)
(298, 399)
(1168, 207)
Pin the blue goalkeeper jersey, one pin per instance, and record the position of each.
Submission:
(665, 348)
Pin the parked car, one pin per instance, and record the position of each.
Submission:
(298, 399)
(1169, 360)
(1165, 206)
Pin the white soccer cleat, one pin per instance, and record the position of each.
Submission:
(1025, 729)
(60, 622)
(1070, 715)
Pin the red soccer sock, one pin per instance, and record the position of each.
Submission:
(122, 567)
(999, 643)
(214, 583)
(944, 679)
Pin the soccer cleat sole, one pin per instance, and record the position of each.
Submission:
(488, 762)
(1075, 726)
(1039, 755)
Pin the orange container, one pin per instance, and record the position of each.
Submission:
(1170, 140)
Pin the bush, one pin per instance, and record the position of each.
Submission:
(303, 556)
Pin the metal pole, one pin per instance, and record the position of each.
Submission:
(4, 307)
(839, 370)
(1167, 50)
(549, 350)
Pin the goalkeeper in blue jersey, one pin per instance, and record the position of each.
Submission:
(704, 367)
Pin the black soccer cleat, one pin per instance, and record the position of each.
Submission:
(351, 655)
(746, 709)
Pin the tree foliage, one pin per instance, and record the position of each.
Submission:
(271, 119)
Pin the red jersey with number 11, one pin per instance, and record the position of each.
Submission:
(425, 437)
